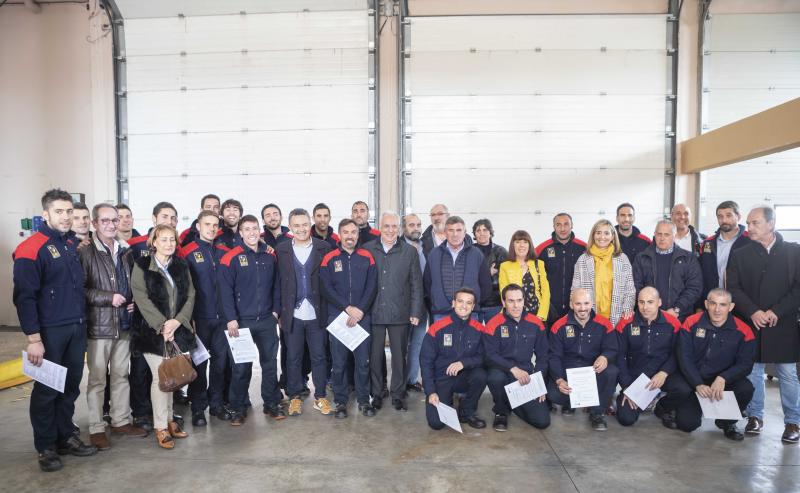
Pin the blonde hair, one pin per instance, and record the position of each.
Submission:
(614, 237)
(156, 232)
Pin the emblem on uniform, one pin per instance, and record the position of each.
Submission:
(707, 248)
(448, 340)
(198, 257)
(145, 253)
(570, 331)
(635, 330)
(337, 266)
(243, 260)
(551, 252)
(503, 331)
(53, 251)
(700, 333)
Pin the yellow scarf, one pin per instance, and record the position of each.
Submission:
(603, 278)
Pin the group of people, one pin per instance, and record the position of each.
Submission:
(691, 313)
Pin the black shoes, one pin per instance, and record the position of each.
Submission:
(222, 413)
(667, 417)
(237, 419)
(199, 419)
(399, 405)
(143, 422)
(74, 446)
(414, 387)
(598, 422)
(341, 411)
(791, 434)
(49, 461)
(474, 421)
(178, 419)
(275, 412)
(366, 410)
(732, 433)
(500, 422)
(180, 398)
(377, 402)
(754, 426)
(567, 411)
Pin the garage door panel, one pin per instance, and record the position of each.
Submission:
(739, 70)
(753, 32)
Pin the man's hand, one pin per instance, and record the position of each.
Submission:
(521, 375)
(672, 312)
(433, 399)
(772, 318)
(563, 387)
(717, 388)
(270, 250)
(414, 320)
(600, 364)
(130, 308)
(117, 300)
(354, 313)
(454, 368)
(233, 328)
(35, 352)
(760, 319)
(704, 391)
(657, 381)
(630, 403)
(493, 269)
(84, 243)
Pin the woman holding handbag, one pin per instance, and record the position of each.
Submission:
(164, 298)
(524, 269)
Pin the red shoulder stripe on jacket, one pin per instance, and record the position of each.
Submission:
(183, 234)
(189, 248)
(374, 232)
(530, 317)
(690, 321)
(623, 322)
(579, 242)
(29, 249)
(604, 322)
(327, 258)
(495, 322)
(558, 324)
(228, 257)
(222, 246)
(365, 253)
(439, 325)
(673, 321)
(335, 237)
(645, 238)
(477, 326)
(137, 240)
(542, 246)
(744, 329)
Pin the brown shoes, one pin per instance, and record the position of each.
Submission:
(791, 434)
(100, 441)
(164, 439)
(754, 426)
(129, 430)
(176, 431)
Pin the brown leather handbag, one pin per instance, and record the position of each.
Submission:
(175, 370)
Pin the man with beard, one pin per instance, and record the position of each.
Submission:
(434, 234)
(631, 239)
(717, 248)
(322, 229)
(360, 214)
(209, 202)
(228, 238)
(274, 233)
(125, 231)
(81, 222)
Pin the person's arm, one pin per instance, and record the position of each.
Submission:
(94, 296)
(27, 283)
(154, 318)
(184, 315)
(474, 360)
(491, 344)
(556, 355)
(276, 288)
(370, 289)
(745, 356)
(417, 291)
(484, 281)
(625, 378)
(685, 356)
(544, 299)
(541, 349)
(670, 364)
(502, 275)
(787, 305)
(426, 280)
(226, 282)
(427, 361)
(735, 284)
(692, 287)
(639, 279)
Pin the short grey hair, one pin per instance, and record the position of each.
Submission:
(392, 214)
(720, 292)
(102, 205)
(767, 211)
(666, 221)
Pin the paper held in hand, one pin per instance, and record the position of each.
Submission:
(352, 337)
(243, 348)
(639, 393)
(50, 374)
(519, 394)
(200, 353)
(727, 408)
(449, 416)
(583, 383)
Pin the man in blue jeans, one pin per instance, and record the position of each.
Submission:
(248, 287)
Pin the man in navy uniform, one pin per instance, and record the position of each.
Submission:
(51, 306)
(632, 240)
(559, 255)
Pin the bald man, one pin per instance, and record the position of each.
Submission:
(686, 236)
(647, 346)
(578, 339)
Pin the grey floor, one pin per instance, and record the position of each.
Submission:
(397, 452)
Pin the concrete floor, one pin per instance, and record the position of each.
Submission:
(397, 452)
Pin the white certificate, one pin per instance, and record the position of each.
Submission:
(352, 337)
(449, 416)
(583, 383)
(50, 374)
(243, 348)
(639, 393)
(200, 353)
(727, 408)
(519, 394)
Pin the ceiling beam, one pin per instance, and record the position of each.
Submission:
(774, 130)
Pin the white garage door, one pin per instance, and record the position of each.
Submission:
(263, 107)
(516, 118)
(751, 63)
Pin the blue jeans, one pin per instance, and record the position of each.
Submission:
(790, 392)
(414, 347)
(486, 313)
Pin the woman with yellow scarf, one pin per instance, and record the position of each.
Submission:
(606, 273)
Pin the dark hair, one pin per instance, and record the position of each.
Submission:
(274, 206)
(54, 194)
(206, 197)
(454, 220)
(467, 291)
(485, 223)
(563, 214)
(247, 219)
(729, 204)
(298, 212)
(80, 206)
(123, 206)
(206, 213)
(319, 206)
(359, 202)
(510, 287)
(164, 205)
(517, 236)
(232, 203)
(767, 211)
(97, 207)
(624, 204)
(345, 222)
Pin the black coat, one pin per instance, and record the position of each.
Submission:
(285, 254)
(685, 278)
(769, 281)
(400, 292)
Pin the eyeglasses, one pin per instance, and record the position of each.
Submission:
(104, 221)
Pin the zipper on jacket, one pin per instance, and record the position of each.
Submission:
(349, 280)
(710, 344)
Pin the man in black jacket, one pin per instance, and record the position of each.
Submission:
(632, 240)
(301, 312)
(434, 234)
(717, 248)
(493, 256)
(559, 255)
(673, 271)
(764, 279)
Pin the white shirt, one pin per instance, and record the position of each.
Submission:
(164, 270)
(387, 247)
(685, 242)
(723, 252)
(306, 310)
(454, 253)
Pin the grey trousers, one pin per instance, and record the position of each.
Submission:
(398, 345)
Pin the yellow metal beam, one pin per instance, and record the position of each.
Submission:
(774, 130)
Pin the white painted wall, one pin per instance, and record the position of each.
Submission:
(56, 118)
